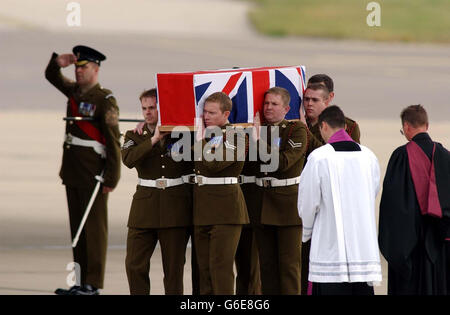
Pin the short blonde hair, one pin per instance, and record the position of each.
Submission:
(285, 96)
(222, 99)
(148, 93)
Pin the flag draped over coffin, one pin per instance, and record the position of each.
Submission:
(181, 96)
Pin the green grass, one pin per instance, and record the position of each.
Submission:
(401, 20)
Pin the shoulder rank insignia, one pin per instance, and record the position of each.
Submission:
(127, 144)
(295, 144)
(229, 145)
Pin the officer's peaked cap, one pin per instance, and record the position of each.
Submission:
(86, 54)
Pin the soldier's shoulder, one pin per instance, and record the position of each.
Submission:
(130, 134)
(294, 126)
(238, 130)
(350, 121)
(107, 95)
(297, 123)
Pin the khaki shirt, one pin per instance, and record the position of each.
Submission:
(153, 207)
(220, 204)
(278, 205)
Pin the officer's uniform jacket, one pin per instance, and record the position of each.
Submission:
(278, 205)
(220, 204)
(156, 207)
(81, 164)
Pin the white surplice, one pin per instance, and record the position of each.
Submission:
(336, 201)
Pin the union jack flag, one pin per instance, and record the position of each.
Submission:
(181, 96)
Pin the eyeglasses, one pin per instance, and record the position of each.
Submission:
(402, 132)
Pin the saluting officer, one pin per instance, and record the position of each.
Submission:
(162, 205)
(90, 148)
(274, 214)
(219, 205)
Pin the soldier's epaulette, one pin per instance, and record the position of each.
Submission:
(107, 93)
(349, 120)
(129, 134)
(291, 124)
(351, 124)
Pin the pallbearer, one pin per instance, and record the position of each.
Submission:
(161, 209)
(274, 212)
(219, 205)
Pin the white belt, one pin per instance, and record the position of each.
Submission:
(97, 146)
(160, 183)
(246, 179)
(274, 182)
(202, 180)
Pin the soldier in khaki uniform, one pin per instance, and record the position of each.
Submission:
(318, 101)
(90, 148)
(274, 215)
(248, 278)
(219, 205)
(162, 206)
(318, 95)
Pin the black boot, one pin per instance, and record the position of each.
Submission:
(70, 291)
(87, 289)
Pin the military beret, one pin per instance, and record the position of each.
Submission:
(86, 54)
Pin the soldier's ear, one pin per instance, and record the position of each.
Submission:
(96, 67)
(323, 126)
(330, 97)
(287, 108)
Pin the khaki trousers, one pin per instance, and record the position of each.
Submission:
(90, 252)
(248, 280)
(141, 244)
(279, 250)
(216, 247)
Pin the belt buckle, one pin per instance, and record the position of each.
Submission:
(199, 180)
(161, 183)
(267, 183)
(241, 179)
(192, 179)
(69, 138)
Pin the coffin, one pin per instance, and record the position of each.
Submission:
(181, 96)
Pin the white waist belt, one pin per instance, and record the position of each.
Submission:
(160, 183)
(274, 182)
(202, 180)
(97, 146)
(246, 179)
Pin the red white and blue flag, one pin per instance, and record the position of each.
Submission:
(181, 96)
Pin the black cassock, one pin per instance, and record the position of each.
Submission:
(413, 244)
